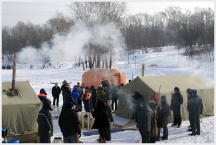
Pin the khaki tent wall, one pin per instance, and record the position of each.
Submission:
(148, 85)
(19, 113)
(94, 77)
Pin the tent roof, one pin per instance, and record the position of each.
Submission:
(169, 82)
(26, 94)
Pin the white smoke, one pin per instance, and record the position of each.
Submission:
(66, 48)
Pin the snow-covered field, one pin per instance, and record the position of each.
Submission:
(168, 62)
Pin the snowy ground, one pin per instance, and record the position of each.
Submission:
(168, 62)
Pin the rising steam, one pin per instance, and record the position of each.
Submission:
(66, 48)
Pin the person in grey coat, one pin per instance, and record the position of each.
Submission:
(164, 114)
(188, 104)
(176, 102)
(195, 110)
(144, 119)
(44, 120)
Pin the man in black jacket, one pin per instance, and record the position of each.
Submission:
(55, 93)
(195, 110)
(176, 102)
(137, 98)
(69, 124)
(144, 119)
(45, 125)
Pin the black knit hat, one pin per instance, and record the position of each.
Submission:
(69, 105)
(176, 89)
(42, 91)
(194, 92)
(188, 91)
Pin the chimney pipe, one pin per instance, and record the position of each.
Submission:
(14, 75)
(143, 69)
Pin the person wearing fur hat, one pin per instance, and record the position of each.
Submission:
(195, 109)
(42, 94)
(176, 102)
(44, 120)
(66, 90)
(189, 91)
(164, 114)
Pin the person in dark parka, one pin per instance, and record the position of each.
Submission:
(114, 96)
(93, 97)
(176, 102)
(144, 119)
(110, 118)
(189, 91)
(137, 98)
(164, 114)
(55, 93)
(195, 110)
(44, 120)
(69, 124)
(80, 98)
(66, 91)
(101, 120)
(42, 95)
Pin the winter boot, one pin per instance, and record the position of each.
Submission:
(175, 122)
(179, 122)
(102, 140)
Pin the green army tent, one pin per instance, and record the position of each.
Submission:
(164, 85)
(19, 113)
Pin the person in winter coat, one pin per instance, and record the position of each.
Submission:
(44, 120)
(195, 110)
(69, 124)
(137, 98)
(176, 102)
(110, 118)
(79, 100)
(114, 96)
(100, 95)
(42, 95)
(164, 112)
(154, 104)
(75, 94)
(144, 119)
(101, 120)
(86, 99)
(93, 97)
(188, 104)
(55, 93)
(66, 91)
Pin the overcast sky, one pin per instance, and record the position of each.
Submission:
(38, 12)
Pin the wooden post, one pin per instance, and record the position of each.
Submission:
(13, 76)
(142, 69)
(132, 76)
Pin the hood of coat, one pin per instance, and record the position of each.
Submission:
(47, 104)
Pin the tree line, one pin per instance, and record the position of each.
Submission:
(193, 31)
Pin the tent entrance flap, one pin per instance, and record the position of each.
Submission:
(115, 78)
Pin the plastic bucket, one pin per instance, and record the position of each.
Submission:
(13, 141)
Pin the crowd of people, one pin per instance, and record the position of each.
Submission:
(150, 116)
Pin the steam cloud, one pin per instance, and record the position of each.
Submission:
(66, 48)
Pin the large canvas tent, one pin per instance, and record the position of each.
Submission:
(164, 85)
(93, 77)
(19, 113)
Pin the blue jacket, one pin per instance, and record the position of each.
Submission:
(75, 94)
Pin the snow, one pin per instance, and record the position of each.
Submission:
(168, 62)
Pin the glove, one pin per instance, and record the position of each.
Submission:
(79, 134)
